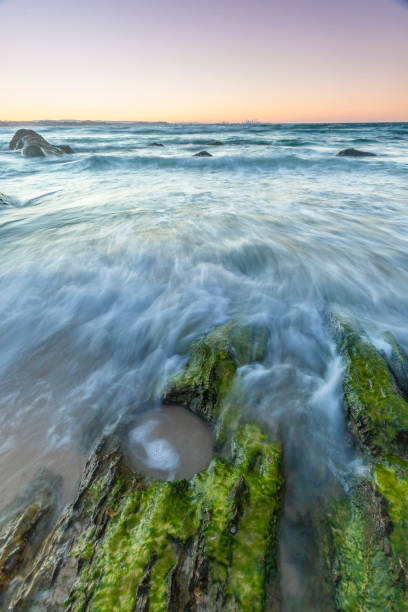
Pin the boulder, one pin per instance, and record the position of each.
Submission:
(202, 154)
(32, 144)
(355, 153)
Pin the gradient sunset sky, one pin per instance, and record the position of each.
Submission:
(208, 60)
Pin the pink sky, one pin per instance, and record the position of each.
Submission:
(212, 60)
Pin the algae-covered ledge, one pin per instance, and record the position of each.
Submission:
(209, 543)
(368, 526)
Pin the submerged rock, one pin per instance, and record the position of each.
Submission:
(32, 144)
(209, 543)
(216, 143)
(355, 153)
(202, 154)
(156, 144)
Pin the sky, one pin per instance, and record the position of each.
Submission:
(204, 60)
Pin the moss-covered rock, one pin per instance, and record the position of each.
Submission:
(391, 478)
(203, 544)
(377, 414)
(132, 543)
(206, 381)
(369, 526)
(367, 576)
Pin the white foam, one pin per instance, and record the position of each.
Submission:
(159, 453)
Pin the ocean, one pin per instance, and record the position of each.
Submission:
(115, 258)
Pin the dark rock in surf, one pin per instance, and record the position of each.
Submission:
(355, 153)
(32, 144)
(216, 143)
(156, 144)
(66, 148)
(4, 201)
(202, 154)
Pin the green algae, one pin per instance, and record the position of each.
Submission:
(391, 478)
(256, 540)
(368, 578)
(370, 543)
(208, 384)
(378, 414)
(231, 512)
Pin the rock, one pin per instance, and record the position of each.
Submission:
(66, 148)
(355, 153)
(216, 143)
(209, 373)
(368, 529)
(202, 154)
(208, 543)
(376, 412)
(22, 527)
(4, 201)
(397, 362)
(32, 144)
(156, 144)
(354, 550)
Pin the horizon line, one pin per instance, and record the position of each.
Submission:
(224, 122)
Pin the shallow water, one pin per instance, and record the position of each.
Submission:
(115, 258)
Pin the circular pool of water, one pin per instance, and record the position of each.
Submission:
(169, 443)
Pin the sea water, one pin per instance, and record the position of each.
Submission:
(114, 259)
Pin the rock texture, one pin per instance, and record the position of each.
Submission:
(355, 153)
(32, 144)
(129, 543)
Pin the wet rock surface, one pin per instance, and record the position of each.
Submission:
(32, 144)
(355, 153)
(22, 528)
